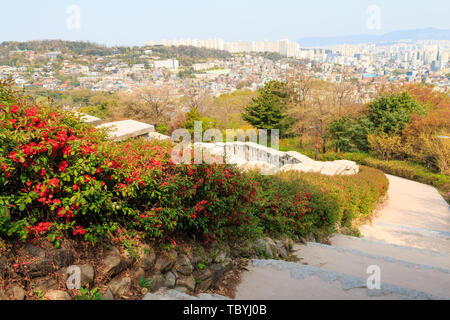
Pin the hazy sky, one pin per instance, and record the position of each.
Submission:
(129, 22)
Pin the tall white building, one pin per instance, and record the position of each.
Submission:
(168, 64)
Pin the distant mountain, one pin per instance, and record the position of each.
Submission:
(419, 34)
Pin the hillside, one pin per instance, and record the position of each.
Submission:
(65, 47)
(187, 55)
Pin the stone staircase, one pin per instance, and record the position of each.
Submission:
(394, 251)
(409, 243)
(407, 236)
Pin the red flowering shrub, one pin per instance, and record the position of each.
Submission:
(58, 171)
(212, 200)
(288, 207)
(42, 159)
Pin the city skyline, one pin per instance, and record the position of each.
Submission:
(136, 22)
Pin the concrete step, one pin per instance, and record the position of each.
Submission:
(171, 294)
(429, 279)
(281, 280)
(382, 248)
(434, 240)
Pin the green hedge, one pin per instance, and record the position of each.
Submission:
(337, 201)
(404, 169)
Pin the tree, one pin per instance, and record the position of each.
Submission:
(299, 85)
(101, 110)
(152, 105)
(197, 98)
(228, 108)
(349, 134)
(391, 112)
(193, 116)
(314, 102)
(345, 95)
(268, 109)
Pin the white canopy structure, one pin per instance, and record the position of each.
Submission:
(122, 130)
(89, 119)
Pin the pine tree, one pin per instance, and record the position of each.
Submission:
(268, 109)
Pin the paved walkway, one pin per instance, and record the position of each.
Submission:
(416, 215)
(409, 241)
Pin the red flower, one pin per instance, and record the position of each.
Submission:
(79, 230)
(13, 156)
(85, 150)
(13, 121)
(32, 112)
(53, 143)
(42, 227)
(14, 109)
(54, 182)
(28, 149)
(63, 166)
(61, 212)
(67, 151)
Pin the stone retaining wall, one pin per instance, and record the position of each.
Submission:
(248, 156)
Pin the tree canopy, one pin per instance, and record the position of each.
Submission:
(268, 109)
(390, 113)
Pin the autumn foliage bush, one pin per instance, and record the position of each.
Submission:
(418, 140)
(60, 178)
(403, 123)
